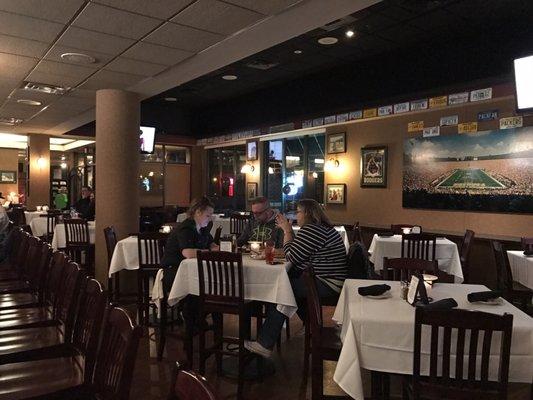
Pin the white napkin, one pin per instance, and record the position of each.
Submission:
(158, 292)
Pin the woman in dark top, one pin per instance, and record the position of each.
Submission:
(318, 245)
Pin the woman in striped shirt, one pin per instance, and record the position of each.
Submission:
(317, 245)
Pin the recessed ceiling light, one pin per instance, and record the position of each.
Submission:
(349, 33)
(298, 51)
(328, 40)
(29, 102)
(229, 77)
(78, 58)
(171, 99)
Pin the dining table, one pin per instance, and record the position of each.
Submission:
(31, 215)
(446, 253)
(37, 224)
(521, 267)
(378, 333)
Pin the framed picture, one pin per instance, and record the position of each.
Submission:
(336, 193)
(251, 190)
(336, 143)
(251, 150)
(374, 166)
(8, 176)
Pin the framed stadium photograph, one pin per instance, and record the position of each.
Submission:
(374, 166)
(251, 150)
(336, 193)
(336, 143)
(490, 171)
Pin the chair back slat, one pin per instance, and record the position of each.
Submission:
(237, 223)
(314, 307)
(67, 296)
(419, 245)
(401, 269)
(110, 242)
(468, 325)
(76, 232)
(504, 274)
(220, 277)
(150, 247)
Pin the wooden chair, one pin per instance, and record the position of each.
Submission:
(419, 245)
(218, 232)
(326, 343)
(527, 244)
(150, 246)
(113, 284)
(221, 288)
(17, 216)
(401, 269)
(357, 234)
(78, 243)
(439, 383)
(513, 291)
(397, 229)
(464, 254)
(51, 222)
(188, 385)
(237, 223)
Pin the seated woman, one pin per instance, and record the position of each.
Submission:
(318, 245)
(185, 240)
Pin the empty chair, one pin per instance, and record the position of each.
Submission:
(218, 232)
(527, 244)
(464, 254)
(513, 291)
(51, 222)
(113, 284)
(401, 269)
(459, 381)
(188, 385)
(237, 223)
(419, 245)
(78, 243)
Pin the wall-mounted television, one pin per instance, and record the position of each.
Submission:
(523, 73)
(147, 139)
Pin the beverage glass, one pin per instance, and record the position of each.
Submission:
(269, 253)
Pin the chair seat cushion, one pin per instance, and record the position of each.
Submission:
(16, 340)
(38, 378)
(16, 299)
(22, 316)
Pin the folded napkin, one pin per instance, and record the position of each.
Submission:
(157, 291)
(385, 234)
(373, 290)
(443, 304)
(483, 296)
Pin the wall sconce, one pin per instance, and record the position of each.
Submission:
(270, 170)
(315, 175)
(64, 165)
(41, 162)
(247, 169)
(331, 164)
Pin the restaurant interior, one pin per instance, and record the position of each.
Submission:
(332, 197)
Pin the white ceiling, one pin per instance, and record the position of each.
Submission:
(144, 45)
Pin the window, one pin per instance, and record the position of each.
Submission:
(226, 182)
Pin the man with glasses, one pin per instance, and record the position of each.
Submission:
(262, 227)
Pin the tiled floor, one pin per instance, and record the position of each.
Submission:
(151, 378)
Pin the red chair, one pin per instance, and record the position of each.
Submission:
(188, 385)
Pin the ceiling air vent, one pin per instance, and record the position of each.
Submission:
(10, 121)
(263, 65)
(338, 23)
(44, 88)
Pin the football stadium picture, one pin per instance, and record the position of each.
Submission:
(485, 171)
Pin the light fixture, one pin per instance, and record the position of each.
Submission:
(29, 102)
(78, 58)
(64, 165)
(270, 170)
(41, 162)
(328, 40)
(247, 169)
(215, 179)
(331, 164)
(62, 157)
(171, 99)
(151, 173)
(229, 77)
(298, 51)
(349, 33)
(315, 175)
(319, 161)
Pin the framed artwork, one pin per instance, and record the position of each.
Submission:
(336, 193)
(374, 166)
(251, 150)
(251, 190)
(8, 176)
(336, 143)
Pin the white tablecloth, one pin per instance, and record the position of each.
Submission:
(125, 255)
(31, 215)
(446, 254)
(522, 267)
(38, 225)
(59, 239)
(378, 335)
(262, 281)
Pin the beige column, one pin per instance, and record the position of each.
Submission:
(117, 169)
(39, 170)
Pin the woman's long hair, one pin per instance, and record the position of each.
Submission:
(199, 204)
(313, 212)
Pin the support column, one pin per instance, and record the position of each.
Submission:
(117, 169)
(39, 170)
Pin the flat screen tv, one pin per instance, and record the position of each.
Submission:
(147, 139)
(523, 72)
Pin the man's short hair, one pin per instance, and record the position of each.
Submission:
(261, 200)
(87, 188)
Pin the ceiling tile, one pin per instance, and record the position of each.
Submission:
(154, 53)
(64, 69)
(88, 94)
(16, 110)
(215, 16)
(22, 47)
(53, 79)
(29, 28)
(163, 9)
(54, 54)
(70, 100)
(94, 41)
(111, 80)
(16, 67)
(183, 37)
(128, 65)
(44, 98)
(61, 11)
(267, 7)
(115, 22)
